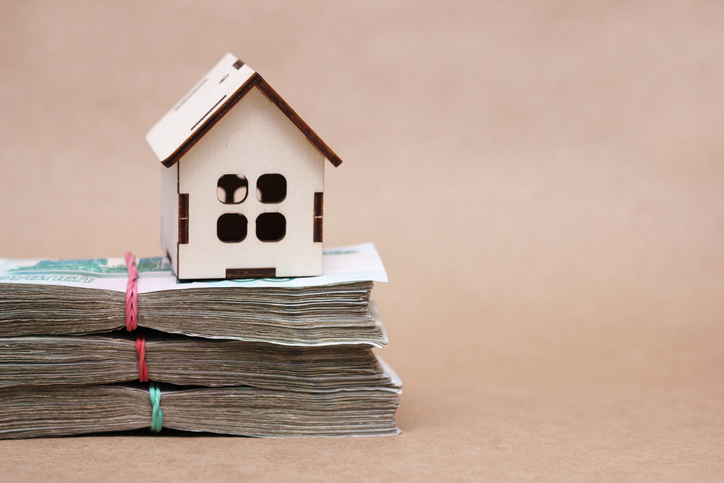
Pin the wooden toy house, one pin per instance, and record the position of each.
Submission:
(243, 180)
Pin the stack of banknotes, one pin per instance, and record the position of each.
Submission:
(265, 357)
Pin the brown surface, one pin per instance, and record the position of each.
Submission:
(545, 182)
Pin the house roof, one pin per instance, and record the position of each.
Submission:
(202, 107)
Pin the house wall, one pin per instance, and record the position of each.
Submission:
(252, 139)
(169, 212)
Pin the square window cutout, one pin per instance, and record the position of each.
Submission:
(232, 189)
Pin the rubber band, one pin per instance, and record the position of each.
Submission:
(131, 294)
(141, 350)
(156, 414)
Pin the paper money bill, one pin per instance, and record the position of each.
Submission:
(56, 297)
(186, 361)
(340, 265)
(33, 411)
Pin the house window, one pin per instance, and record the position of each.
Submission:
(232, 189)
(231, 227)
(271, 227)
(271, 188)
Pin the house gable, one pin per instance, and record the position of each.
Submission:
(253, 141)
(202, 107)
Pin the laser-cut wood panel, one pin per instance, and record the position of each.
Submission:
(232, 123)
(169, 214)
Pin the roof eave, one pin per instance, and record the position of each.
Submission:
(277, 100)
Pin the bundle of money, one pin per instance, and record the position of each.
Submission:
(62, 410)
(262, 357)
(51, 297)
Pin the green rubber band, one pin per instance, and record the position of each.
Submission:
(156, 415)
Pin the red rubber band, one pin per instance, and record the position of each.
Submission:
(131, 294)
(141, 349)
(132, 316)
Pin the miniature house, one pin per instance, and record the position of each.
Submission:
(243, 180)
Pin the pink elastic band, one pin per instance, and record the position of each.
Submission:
(131, 294)
(132, 316)
(141, 349)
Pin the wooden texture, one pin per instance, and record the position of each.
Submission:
(183, 218)
(197, 112)
(318, 229)
(318, 204)
(299, 122)
(253, 139)
(205, 127)
(207, 102)
(205, 105)
(318, 212)
(170, 211)
(250, 273)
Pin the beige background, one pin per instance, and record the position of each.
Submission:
(544, 181)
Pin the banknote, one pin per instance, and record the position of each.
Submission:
(33, 411)
(280, 357)
(63, 297)
(340, 265)
(186, 361)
